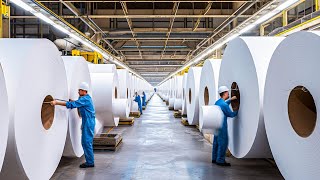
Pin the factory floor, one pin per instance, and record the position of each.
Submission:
(158, 146)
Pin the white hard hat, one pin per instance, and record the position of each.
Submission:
(84, 86)
(222, 89)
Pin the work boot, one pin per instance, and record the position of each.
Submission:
(213, 161)
(85, 165)
(223, 164)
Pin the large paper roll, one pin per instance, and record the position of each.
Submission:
(208, 91)
(124, 83)
(103, 92)
(292, 95)
(193, 83)
(178, 94)
(184, 92)
(121, 108)
(243, 70)
(4, 111)
(213, 119)
(77, 72)
(37, 130)
(106, 68)
(171, 103)
(177, 104)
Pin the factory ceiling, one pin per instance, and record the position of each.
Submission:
(152, 37)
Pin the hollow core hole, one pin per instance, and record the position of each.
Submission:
(302, 111)
(190, 96)
(116, 92)
(206, 96)
(127, 92)
(235, 104)
(47, 112)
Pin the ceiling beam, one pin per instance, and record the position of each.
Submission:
(138, 16)
(153, 49)
(205, 11)
(156, 57)
(125, 12)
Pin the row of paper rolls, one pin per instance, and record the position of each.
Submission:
(275, 80)
(34, 135)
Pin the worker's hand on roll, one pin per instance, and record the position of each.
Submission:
(234, 98)
(53, 103)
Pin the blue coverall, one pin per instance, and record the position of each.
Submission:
(220, 141)
(86, 108)
(144, 99)
(138, 100)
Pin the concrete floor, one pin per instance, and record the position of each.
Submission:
(158, 146)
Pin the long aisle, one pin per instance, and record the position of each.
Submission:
(158, 146)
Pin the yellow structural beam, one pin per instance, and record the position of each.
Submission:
(284, 18)
(4, 20)
(93, 57)
(316, 2)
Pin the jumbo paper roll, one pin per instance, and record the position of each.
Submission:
(106, 68)
(193, 83)
(177, 104)
(178, 94)
(184, 92)
(124, 83)
(77, 72)
(213, 118)
(243, 70)
(103, 93)
(121, 108)
(208, 91)
(37, 130)
(292, 95)
(171, 103)
(4, 111)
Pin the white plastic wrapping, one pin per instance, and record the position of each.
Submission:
(34, 147)
(77, 72)
(212, 117)
(184, 92)
(121, 108)
(192, 88)
(294, 135)
(103, 92)
(245, 63)
(208, 91)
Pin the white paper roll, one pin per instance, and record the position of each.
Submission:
(4, 111)
(291, 114)
(121, 108)
(107, 68)
(77, 72)
(124, 83)
(178, 83)
(103, 92)
(171, 103)
(192, 88)
(245, 63)
(184, 92)
(37, 130)
(208, 91)
(177, 104)
(212, 117)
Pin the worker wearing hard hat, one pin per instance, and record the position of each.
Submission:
(87, 112)
(220, 142)
(138, 100)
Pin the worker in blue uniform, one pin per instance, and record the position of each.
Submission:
(220, 142)
(144, 99)
(138, 100)
(86, 108)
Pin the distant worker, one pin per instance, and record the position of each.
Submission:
(144, 99)
(220, 142)
(86, 108)
(138, 100)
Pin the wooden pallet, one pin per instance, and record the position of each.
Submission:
(177, 114)
(185, 122)
(127, 121)
(105, 141)
(135, 114)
